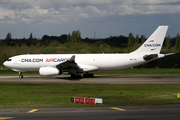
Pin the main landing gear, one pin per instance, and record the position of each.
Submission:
(20, 75)
(86, 75)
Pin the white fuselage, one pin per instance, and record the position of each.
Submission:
(101, 61)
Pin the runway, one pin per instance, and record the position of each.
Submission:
(157, 112)
(106, 79)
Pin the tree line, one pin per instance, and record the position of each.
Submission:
(73, 43)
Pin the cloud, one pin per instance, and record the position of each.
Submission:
(64, 11)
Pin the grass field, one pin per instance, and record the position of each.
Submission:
(58, 95)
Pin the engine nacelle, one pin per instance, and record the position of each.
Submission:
(49, 71)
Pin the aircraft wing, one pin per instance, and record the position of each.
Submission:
(71, 67)
(68, 64)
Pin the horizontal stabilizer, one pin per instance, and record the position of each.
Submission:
(167, 54)
(150, 57)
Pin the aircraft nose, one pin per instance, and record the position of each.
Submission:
(5, 64)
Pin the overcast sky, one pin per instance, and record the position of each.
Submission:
(105, 17)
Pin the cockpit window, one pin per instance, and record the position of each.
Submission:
(9, 59)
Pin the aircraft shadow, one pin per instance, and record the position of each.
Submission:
(95, 77)
(68, 78)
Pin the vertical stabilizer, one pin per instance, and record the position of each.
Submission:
(154, 43)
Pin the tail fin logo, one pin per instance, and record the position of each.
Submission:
(151, 41)
(153, 49)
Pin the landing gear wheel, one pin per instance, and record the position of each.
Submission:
(20, 75)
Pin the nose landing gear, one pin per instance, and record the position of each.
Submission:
(20, 75)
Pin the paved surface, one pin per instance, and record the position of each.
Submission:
(126, 79)
(157, 112)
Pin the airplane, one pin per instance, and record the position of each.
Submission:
(75, 64)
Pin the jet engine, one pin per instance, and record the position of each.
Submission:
(49, 71)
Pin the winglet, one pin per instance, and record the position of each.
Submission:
(72, 58)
